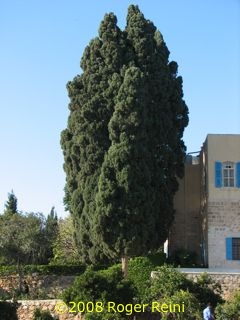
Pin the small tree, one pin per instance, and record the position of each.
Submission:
(64, 247)
(51, 227)
(11, 204)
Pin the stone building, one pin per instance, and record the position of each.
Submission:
(207, 204)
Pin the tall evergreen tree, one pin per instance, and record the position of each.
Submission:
(11, 204)
(124, 183)
(123, 146)
(86, 139)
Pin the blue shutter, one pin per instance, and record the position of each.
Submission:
(229, 248)
(238, 174)
(218, 174)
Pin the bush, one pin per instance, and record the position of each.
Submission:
(188, 309)
(207, 290)
(8, 310)
(4, 294)
(169, 282)
(42, 315)
(169, 286)
(101, 286)
(43, 269)
(230, 310)
(139, 273)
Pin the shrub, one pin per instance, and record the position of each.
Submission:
(8, 310)
(42, 315)
(4, 294)
(206, 289)
(169, 281)
(230, 310)
(101, 286)
(188, 309)
(43, 269)
(139, 273)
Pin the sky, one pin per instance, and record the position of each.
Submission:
(42, 43)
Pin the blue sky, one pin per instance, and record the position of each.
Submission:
(41, 46)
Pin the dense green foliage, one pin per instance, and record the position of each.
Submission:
(123, 147)
(8, 310)
(64, 248)
(101, 287)
(42, 315)
(169, 281)
(44, 269)
(26, 238)
(230, 310)
(139, 272)
(11, 204)
(168, 286)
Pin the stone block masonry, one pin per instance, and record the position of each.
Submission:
(26, 309)
(229, 279)
(223, 222)
(40, 286)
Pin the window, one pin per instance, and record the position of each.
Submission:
(236, 248)
(227, 174)
(233, 248)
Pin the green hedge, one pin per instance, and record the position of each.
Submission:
(43, 269)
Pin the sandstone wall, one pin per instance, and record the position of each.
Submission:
(229, 279)
(40, 286)
(26, 309)
(223, 222)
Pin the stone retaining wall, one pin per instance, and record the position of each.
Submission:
(40, 286)
(26, 309)
(229, 279)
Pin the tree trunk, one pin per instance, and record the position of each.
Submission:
(125, 266)
(19, 276)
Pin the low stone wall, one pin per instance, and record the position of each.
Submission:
(228, 278)
(26, 309)
(40, 286)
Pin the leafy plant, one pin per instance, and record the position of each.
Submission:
(230, 310)
(207, 289)
(42, 315)
(139, 273)
(101, 286)
(184, 306)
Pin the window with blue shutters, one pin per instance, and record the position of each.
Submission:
(227, 174)
(233, 248)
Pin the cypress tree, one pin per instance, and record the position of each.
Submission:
(122, 199)
(86, 139)
(123, 146)
(11, 204)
